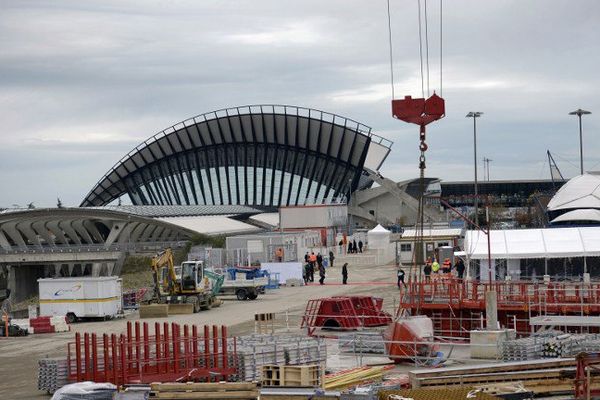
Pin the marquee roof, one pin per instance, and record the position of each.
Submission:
(534, 243)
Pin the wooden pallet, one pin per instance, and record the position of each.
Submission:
(291, 375)
(206, 391)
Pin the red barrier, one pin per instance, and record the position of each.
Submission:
(139, 357)
(456, 306)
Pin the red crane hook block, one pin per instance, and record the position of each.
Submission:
(419, 111)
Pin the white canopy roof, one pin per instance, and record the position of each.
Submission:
(582, 191)
(212, 224)
(534, 243)
(439, 232)
(378, 230)
(588, 214)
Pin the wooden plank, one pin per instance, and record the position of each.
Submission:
(483, 378)
(241, 394)
(202, 387)
(497, 367)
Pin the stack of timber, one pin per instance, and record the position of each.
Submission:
(291, 376)
(353, 377)
(52, 374)
(539, 376)
(255, 351)
(206, 391)
(362, 342)
(436, 394)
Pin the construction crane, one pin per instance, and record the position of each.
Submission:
(189, 283)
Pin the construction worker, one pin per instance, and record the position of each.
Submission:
(400, 273)
(427, 270)
(435, 266)
(279, 254)
(312, 260)
(321, 273)
(460, 268)
(446, 266)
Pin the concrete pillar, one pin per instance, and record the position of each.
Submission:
(491, 310)
(96, 267)
(110, 266)
(22, 281)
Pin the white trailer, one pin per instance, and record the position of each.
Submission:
(81, 297)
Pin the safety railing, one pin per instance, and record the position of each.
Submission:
(170, 353)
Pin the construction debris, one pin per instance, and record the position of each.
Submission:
(255, 351)
(85, 391)
(207, 391)
(52, 374)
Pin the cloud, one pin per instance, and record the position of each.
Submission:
(81, 83)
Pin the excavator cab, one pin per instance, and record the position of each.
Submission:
(192, 276)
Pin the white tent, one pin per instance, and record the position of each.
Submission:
(582, 191)
(534, 243)
(586, 214)
(378, 238)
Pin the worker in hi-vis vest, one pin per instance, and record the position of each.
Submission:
(435, 267)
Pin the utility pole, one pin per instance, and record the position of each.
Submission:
(475, 115)
(579, 112)
(486, 168)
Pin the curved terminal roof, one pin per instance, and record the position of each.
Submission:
(582, 191)
(91, 228)
(578, 216)
(265, 155)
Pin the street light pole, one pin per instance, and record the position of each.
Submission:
(579, 112)
(475, 115)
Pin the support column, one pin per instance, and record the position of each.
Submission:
(96, 268)
(491, 310)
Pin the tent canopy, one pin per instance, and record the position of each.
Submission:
(379, 230)
(534, 243)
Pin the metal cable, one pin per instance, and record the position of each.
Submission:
(441, 47)
(427, 47)
(390, 42)
(421, 51)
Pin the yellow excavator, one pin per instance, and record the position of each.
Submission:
(189, 283)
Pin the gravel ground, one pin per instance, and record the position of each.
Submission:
(19, 356)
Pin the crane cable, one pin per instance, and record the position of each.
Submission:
(390, 42)
(441, 48)
(427, 46)
(421, 51)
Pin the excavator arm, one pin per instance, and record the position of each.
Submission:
(217, 279)
(164, 259)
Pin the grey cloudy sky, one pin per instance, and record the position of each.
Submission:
(83, 82)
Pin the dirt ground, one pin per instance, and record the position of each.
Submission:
(19, 356)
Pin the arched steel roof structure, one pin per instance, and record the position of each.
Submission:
(89, 228)
(265, 155)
